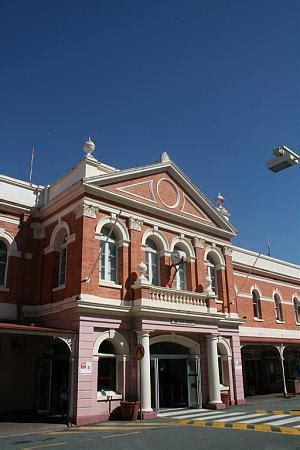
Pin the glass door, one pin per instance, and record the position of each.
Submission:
(194, 382)
(44, 390)
(154, 384)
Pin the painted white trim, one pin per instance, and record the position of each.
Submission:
(59, 288)
(158, 238)
(155, 223)
(216, 254)
(246, 258)
(109, 284)
(193, 346)
(265, 280)
(223, 342)
(9, 220)
(167, 180)
(269, 333)
(59, 226)
(119, 229)
(183, 242)
(119, 342)
(150, 185)
(151, 209)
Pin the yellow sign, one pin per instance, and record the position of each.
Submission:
(139, 352)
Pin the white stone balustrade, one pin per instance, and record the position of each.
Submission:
(177, 297)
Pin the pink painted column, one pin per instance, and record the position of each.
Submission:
(237, 370)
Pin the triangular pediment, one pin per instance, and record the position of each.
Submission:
(165, 190)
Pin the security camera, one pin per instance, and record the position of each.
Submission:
(284, 158)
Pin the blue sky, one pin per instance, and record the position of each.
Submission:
(215, 83)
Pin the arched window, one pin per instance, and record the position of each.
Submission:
(277, 306)
(60, 246)
(152, 261)
(108, 255)
(212, 272)
(180, 276)
(297, 309)
(3, 262)
(256, 304)
(107, 367)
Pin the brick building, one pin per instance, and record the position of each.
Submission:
(103, 259)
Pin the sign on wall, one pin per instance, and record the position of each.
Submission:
(86, 368)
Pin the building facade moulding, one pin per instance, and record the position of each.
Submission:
(227, 251)
(193, 346)
(135, 224)
(86, 210)
(185, 244)
(198, 242)
(119, 342)
(119, 229)
(158, 238)
(217, 255)
(38, 230)
(12, 245)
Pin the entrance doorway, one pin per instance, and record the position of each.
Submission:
(175, 377)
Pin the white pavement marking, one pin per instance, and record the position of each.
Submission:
(283, 421)
(209, 416)
(167, 410)
(237, 419)
(182, 411)
(264, 418)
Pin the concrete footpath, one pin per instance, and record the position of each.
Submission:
(274, 402)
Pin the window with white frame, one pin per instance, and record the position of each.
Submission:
(108, 255)
(277, 306)
(212, 272)
(180, 275)
(60, 247)
(107, 367)
(296, 309)
(62, 263)
(256, 304)
(152, 261)
(3, 262)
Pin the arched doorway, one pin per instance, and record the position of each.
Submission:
(262, 370)
(34, 377)
(175, 373)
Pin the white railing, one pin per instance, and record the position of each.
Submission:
(180, 298)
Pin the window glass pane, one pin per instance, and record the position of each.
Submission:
(2, 274)
(106, 374)
(3, 252)
(107, 347)
(108, 257)
(62, 266)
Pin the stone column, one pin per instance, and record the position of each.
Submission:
(143, 338)
(213, 371)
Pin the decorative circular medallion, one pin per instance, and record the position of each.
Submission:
(168, 193)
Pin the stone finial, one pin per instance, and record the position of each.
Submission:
(164, 157)
(142, 270)
(220, 206)
(142, 279)
(89, 147)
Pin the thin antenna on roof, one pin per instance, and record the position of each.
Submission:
(269, 246)
(88, 278)
(31, 166)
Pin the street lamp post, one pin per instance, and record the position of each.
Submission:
(284, 158)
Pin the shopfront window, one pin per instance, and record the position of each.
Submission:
(107, 367)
